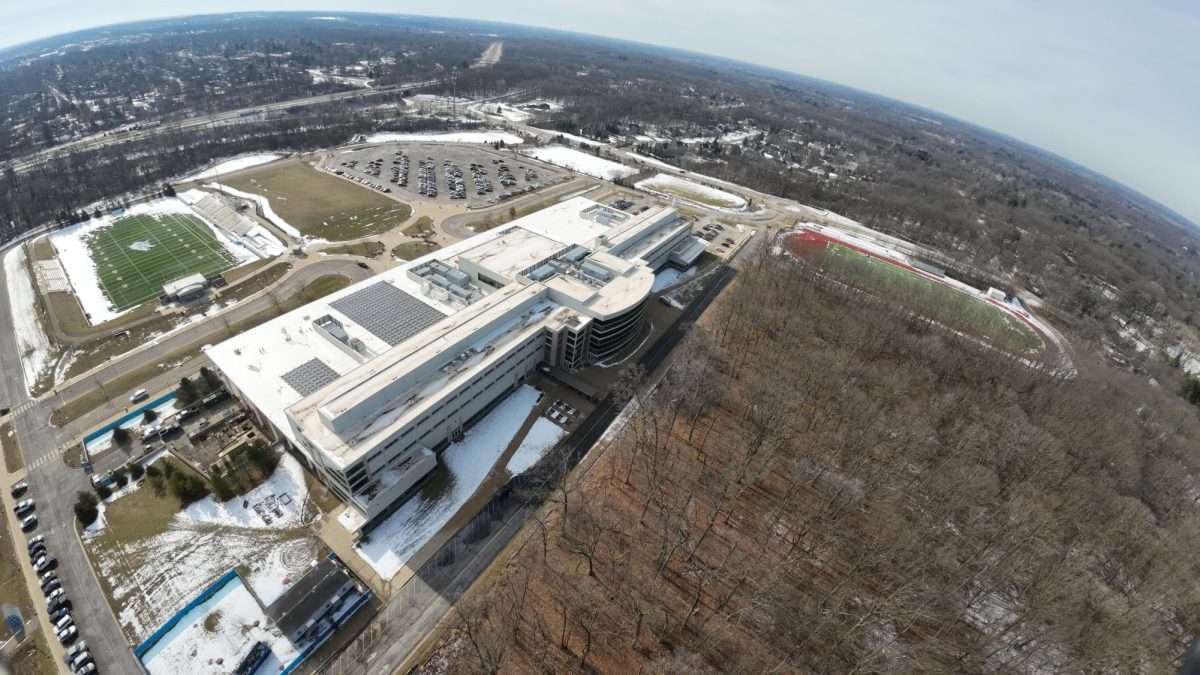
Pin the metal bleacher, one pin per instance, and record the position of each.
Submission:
(224, 216)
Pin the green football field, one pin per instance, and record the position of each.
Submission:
(136, 255)
(930, 299)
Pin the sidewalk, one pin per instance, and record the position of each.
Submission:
(33, 587)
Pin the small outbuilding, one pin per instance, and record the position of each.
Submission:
(187, 288)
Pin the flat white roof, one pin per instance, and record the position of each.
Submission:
(513, 252)
(257, 361)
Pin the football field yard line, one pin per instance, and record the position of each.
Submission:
(179, 244)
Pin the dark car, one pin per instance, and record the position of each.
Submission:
(37, 551)
(28, 523)
(19, 488)
(23, 507)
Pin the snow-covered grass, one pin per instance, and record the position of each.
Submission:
(217, 634)
(541, 437)
(449, 137)
(32, 343)
(573, 138)
(669, 277)
(288, 479)
(583, 162)
(468, 462)
(704, 195)
(150, 575)
(134, 426)
(234, 164)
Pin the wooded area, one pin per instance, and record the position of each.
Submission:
(825, 485)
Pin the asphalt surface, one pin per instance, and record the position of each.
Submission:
(53, 485)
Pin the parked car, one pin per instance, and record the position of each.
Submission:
(59, 613)
(67, 634)
(28, 523)
(64, 622)
(23, 507)
(139, 395)
(51, 586)
(37, 551)
(44, 563)
(35, 540)
(55, 595)
(74, 651)
(44, 576)
(86, 670)
(19, 488)
(81, 660)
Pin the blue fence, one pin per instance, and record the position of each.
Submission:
(217, 585)
(136, 413)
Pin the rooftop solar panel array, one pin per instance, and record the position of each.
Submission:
(310, 376)
(387, 312)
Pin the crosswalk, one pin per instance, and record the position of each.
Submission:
(46, 459)
(23, 407)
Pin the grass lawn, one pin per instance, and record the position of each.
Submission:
(411, 250)
(136, 255)
(365, 249)
(12, 453)
(929, 298)
(241, 272)
(320, 205)
(248, 286)
(423, 227)
(33, 656)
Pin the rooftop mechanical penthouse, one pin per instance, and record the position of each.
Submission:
(369, 384)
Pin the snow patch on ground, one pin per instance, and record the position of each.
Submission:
(449, 137)
(571, 137)
(234, 164)
(542, 436)
(265, 205)
(679, 188)
(32, 344)
(237, 622)
(583, 162)
(134, 426)
(288, 480)
(394, 542)
(154, 577)
(670, 276)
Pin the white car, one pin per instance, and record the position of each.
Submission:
(67, 634)
(139, 395)
(54, 595)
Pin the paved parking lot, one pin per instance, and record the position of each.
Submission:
(468, 174)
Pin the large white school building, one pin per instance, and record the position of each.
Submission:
(371, 382)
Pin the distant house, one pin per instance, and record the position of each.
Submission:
(187, 288)
(313, 602)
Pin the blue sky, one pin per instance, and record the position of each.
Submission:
(1111, 84)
